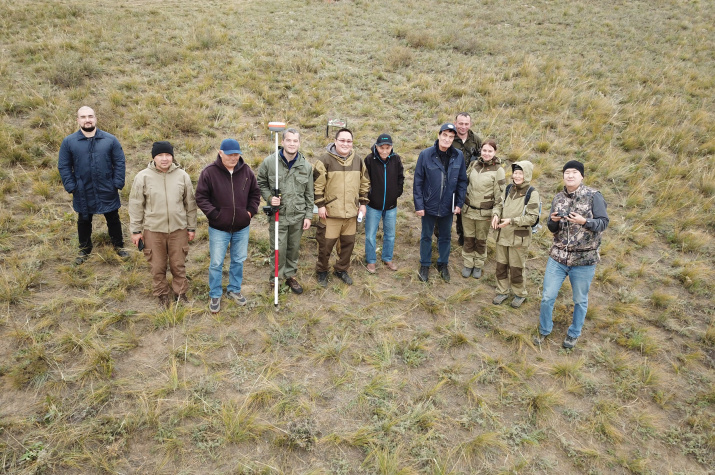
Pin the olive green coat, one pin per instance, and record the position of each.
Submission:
(296, 187)
(518, 232)
(485, 189)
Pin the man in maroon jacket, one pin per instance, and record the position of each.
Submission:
(229, 196)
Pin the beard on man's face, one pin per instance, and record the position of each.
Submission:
(89, 128)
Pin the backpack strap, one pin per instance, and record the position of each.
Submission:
(528, 196)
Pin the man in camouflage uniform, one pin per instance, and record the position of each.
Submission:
(578, 217)
(470, 145)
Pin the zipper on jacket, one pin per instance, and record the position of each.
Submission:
(233, 199)
(384, 191)
(166, 199)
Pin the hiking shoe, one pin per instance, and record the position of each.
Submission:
(344, 276)
(569, 342)
(477, 273)
(81, 258)
(237, 297)
(371, 268)
(121, 252)
(499, 299)
(540, 339)
(390, 265)
(423, 273)
(164, 301)
(215, 304)
(444, 272)
(516, 303)
(466, 271)
(323, 278)
(294, 285)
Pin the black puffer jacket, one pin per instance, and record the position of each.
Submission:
(387, 179)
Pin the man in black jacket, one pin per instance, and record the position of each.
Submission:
(387, 178)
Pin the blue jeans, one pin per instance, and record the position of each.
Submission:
(218, 243)
(444, 243)
(372, 221)
(580, 278)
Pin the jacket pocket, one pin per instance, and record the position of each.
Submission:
(242, 219)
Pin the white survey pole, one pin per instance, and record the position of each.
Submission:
(276, 127)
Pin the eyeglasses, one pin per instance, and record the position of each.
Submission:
(345, 141)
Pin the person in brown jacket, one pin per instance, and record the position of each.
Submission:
(162, 216)
(341, 185)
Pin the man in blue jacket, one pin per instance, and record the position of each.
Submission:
(439, 188)
(91, 164)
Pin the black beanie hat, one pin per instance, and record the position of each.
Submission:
(161, 147)
(574, 164)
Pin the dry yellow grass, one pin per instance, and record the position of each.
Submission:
(389, 375)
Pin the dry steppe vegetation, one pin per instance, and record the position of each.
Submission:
(388, 376)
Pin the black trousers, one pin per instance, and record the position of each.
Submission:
(84, 230)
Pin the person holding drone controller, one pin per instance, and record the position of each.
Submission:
(578, 218)
(293, 201)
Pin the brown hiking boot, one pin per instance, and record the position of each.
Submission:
(294, 285)
(371, 268)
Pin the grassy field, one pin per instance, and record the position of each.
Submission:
(389, 376)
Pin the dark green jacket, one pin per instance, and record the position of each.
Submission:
(471, 148)
(296, 186)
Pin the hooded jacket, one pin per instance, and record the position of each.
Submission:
(387, 179)
(92, 170)
(227, 198)
(518, 231)
(162, 202)
(574, 244)
(295, 184)
(485, 189)
(340, 183)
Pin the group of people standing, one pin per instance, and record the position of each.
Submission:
(459, 175)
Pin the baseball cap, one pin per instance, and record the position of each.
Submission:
(230, 146)
(448, 126)
(383, 139)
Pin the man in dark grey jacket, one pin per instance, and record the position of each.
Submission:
(91, 164)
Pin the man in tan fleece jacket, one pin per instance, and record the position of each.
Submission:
(341, 185)
(162, 215)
